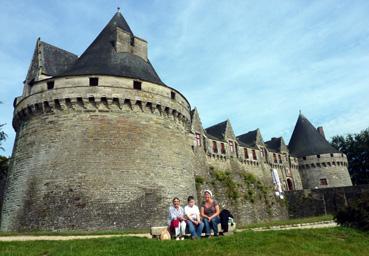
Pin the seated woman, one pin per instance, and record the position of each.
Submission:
(210, 213)
(195, 226)
(176, 219)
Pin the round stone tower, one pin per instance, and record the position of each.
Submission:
(320, 164)
(101, 141)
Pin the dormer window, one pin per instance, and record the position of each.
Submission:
(275, 157)
(222, 148)
(246, 153)
(94, 81)
(254, 154)
(198, 139)
(231, 145)
(215, 147)
(280, 158)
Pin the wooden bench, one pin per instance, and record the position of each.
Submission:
(156, 231)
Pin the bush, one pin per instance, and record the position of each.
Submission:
(356, 215)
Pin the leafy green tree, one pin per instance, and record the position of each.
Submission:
(356, 147)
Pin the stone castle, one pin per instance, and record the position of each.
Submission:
(102, 143)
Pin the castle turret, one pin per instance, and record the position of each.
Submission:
(101, 141)
(320, 164)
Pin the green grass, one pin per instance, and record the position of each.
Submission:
(288, 222)
(330, 241)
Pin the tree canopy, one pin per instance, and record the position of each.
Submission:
(356, 148)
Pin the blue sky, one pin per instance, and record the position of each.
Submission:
(255, 62)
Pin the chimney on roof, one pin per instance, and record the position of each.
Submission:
(321, 131)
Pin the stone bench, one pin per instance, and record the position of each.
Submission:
(156, 231)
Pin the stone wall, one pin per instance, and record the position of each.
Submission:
(244, 189)
(95, 163)
(315, 202)
(330, 167)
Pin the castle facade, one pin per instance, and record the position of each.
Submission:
(103, 143)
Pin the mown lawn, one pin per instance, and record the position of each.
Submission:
(330, 241)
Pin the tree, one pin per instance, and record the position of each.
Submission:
(2, 134)
(356, 148)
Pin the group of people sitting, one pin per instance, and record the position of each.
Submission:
(194, 219)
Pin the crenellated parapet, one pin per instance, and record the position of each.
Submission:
(324, 170)
(112, 94)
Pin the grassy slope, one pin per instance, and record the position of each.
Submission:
(332, 241)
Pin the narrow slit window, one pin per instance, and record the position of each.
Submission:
(50, 85)
(172, 95)
(137, 85)
(94, 81)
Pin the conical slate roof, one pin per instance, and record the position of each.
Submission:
(49, 60)
(307, 141)
(101, 57)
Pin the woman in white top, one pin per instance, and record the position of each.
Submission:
(176, 219)
(194, 223)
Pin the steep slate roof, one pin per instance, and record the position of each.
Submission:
(217, 131)
(307, 141)
(251, 138)
(101, 58)
(276, 145)
(49, 60)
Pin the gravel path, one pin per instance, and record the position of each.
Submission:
(322, 224)
(65, 238)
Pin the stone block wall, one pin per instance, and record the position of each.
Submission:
(315, 202)
(329, 167)
(92, 160)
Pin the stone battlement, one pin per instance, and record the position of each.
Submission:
(112, 94)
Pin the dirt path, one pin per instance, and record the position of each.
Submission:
(322, 224)
(65, 238)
